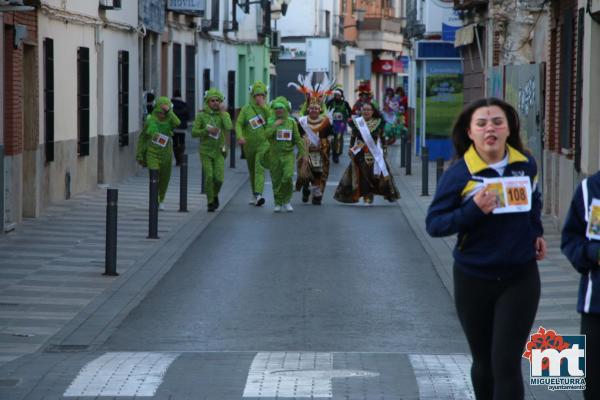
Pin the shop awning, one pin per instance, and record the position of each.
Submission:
(465, 35)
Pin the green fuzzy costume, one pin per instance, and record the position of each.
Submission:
(212, 148)
(152, 155)
(251, 126)
(281, 152)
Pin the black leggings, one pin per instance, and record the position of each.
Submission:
(496, 316)
(590, 326)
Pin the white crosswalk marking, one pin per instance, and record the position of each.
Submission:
(122, 374)
(443, 377)
(296, 374)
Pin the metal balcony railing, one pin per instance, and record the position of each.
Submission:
(391, 25)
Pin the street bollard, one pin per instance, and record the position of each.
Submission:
(232, 143)
(425, 171)
(439, 169)
(153, 205)
(110, 255)
(402, 151)
(183, 184)
(408, 170)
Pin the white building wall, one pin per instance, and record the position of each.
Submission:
(67, 38)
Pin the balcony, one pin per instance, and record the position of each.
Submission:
(338, 29)
(381, 34)
(469, 4)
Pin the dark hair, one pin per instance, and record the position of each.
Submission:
(176, 93)
(400, 91)
(376, 112)
(460, 136)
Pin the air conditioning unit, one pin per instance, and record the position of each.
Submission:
(275, 39)
(343, 59)
(110, 4)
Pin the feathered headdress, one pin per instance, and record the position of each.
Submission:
(317, 91)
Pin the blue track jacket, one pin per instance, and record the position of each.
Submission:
(491, 246)
(583, 252)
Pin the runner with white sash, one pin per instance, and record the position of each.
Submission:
(312, 136)
(379, 167)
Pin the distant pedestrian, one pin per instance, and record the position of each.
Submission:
(282, 134)
(581, 244)
(250, 132)
(368, 173)
(149, 101)
(180, 109)
(155, 144)
(210, 126)
(489, 197)
(341, 113)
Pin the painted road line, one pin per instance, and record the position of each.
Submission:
(443, 377)
(122, 374)
(295, 374)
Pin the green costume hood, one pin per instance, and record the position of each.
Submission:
(211, 94)
(281, 102)
(257, 88)
(159, 103)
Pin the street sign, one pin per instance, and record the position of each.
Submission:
(318, 55)
(186, 5)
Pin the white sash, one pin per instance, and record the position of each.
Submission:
(379, 167)
(312, 136)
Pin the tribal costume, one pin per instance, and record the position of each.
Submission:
(365, 176)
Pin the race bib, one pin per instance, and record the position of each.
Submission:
(593, 227)
(338, 116)
(213, 135)
(357, 148)
(161, 140)
(284, 135)
(256, 122)
(513, 194)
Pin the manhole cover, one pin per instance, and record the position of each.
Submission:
(324, 374)
(66, 348)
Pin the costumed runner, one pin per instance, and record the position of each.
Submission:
(341, 113)
(155, 144)
(282, 135)
(369, 173)
(365, 95)
(250, 132)
(210, 127)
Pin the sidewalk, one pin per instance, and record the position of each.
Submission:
(560, 282)
(51, 267)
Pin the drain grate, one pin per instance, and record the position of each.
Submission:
(66, 348)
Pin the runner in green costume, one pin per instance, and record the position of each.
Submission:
(155, 144)
(250, 132)
(282, 135)
(210, 127)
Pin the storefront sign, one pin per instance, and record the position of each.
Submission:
(387, 66)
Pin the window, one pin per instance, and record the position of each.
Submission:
(190, 79)
(49, 99)
(123, 100)
(327, 23)
(205, 81)
(176, 67)
(83, 101)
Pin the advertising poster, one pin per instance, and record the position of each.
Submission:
(443, 93)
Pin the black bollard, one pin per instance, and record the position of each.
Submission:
(402, 151)
(439, 169)
(183, 184)
(232, 143)
(408, 170)
(153, 206)
(425, 171)
(110, 255)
